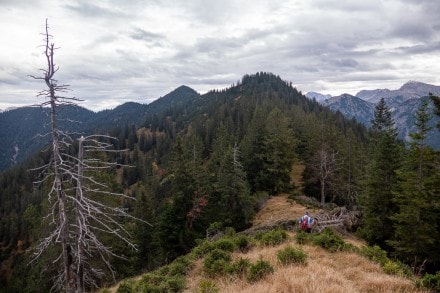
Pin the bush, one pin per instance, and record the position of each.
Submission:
(225, 244)
(375, 253)
(329, 240)
(153, 282)
(239, 267)
(207, 286)
(217, 262)
(291, 255)
(258, 270)
(203, 249)
(431, 282)
(242, 243)
(126, 286)
(302, 237)
(393, 268)
(274, 237)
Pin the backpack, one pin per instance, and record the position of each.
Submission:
(304, 223)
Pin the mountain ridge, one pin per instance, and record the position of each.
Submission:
(20, 126)
(402, 102)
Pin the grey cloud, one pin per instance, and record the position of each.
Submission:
(420, 49)
(87, 9)
(345, 63)
(150, 38)
(415, 30)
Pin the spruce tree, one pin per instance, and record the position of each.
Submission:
(381, 178)
(417, 233)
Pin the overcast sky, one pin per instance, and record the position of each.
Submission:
(114, 51)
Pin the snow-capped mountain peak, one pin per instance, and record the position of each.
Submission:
(317, 96)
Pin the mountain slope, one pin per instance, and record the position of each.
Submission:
(21, 127)
(324, 271)
(317, 96)
(22, 130)
(351, 107)
(403, 103)
(410, 90)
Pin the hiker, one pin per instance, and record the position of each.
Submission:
(306, 222)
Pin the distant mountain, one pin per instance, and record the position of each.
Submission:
(410, 90)
(317, 96)
(351, 107)
(22, 128)
(403, 103)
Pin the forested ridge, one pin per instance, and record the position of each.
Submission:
(198, 160)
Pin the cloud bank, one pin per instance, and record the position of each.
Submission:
(116, 51)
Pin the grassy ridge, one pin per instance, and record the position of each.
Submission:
(275, 262)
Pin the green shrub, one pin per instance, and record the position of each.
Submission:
(175, 284)
(207, 286)
(155, 283)
(302, 237)
(126, 286)
(217, 262)
(329, 240)
(225, 244)
(392, 268)
(239, 267)
(375, 253)
(274, 237)
(229, 231)
(214, 228)
(204, 248)
(290, 255)
(431, 282)
(242, 243)
(258, 270)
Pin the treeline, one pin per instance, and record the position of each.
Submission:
(401, 197)
(211, 161)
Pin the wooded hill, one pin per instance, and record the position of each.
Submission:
(197, 160)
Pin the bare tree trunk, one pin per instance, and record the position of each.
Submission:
(80, 286)
(322, 181)
(62, 201)
(76, 217)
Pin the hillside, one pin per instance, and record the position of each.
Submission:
(201, 163)
(325, 271)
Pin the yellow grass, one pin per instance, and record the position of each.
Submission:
(324, 272)
(279, 208)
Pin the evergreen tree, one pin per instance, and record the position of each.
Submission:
(436, 101)
(253, 149)
(231, 202)
(175, 229)
(417, 230)
(278, 153)
(381, 181)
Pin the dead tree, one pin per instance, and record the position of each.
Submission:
(326, 166)
(76, 212)
(59, 209)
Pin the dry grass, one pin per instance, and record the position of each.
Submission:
(324, 272)
(279, 208)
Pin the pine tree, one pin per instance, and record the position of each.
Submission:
(232, 204)
(436, 101)
(417, 234)
(381, 181)
(278, 155)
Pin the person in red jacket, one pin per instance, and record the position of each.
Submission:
(306, 222)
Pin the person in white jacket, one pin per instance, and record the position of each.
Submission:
(306, 222)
